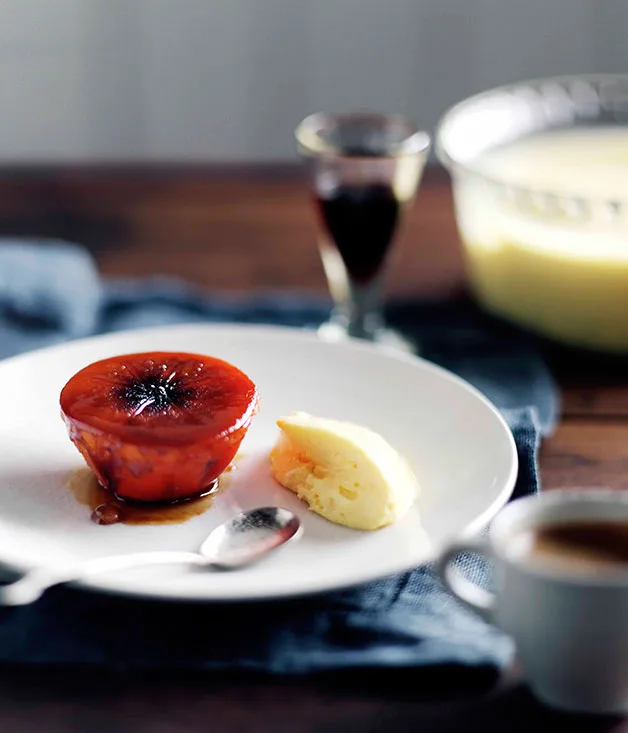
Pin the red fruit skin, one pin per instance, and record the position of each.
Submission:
(158, 458)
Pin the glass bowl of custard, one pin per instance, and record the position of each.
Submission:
(540, 181)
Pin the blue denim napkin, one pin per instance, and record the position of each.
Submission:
(50, 292)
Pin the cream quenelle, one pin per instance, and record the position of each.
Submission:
(346, 473)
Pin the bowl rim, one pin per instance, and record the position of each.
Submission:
(454, 165)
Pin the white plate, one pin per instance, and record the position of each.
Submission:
(459, 446)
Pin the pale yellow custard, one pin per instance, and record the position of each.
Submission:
(564, 274)
(346, 473)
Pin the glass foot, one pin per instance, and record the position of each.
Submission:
(384, 337)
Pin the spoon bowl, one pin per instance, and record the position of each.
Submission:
(247, 537)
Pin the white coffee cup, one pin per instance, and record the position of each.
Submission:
(570, 627)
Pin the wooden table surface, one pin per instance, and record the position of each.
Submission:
(245, 229)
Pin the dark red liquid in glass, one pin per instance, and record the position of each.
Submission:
(361, 221)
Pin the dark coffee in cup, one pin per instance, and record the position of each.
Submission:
(578, 545)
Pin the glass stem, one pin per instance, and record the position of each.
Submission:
(363, 310)
(357, 307)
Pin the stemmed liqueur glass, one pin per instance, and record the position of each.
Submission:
(366, 169)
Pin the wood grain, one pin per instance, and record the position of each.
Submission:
(586, 453)
(222, 229)
(403, 701)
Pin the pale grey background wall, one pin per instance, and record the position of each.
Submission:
(227, 80)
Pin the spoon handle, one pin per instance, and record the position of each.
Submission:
(33, 584)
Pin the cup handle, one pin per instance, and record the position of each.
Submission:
(471, 595)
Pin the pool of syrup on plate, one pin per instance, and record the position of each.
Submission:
(108, 509)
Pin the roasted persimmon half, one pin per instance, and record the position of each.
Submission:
(159, 426)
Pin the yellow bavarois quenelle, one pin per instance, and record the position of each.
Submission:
(346, 473)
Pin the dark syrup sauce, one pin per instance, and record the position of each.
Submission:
(361, 221)
(107, 509)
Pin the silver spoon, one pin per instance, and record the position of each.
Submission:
(239, 541)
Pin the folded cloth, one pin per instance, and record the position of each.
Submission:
(50, 292)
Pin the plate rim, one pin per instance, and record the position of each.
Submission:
(306, 335)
